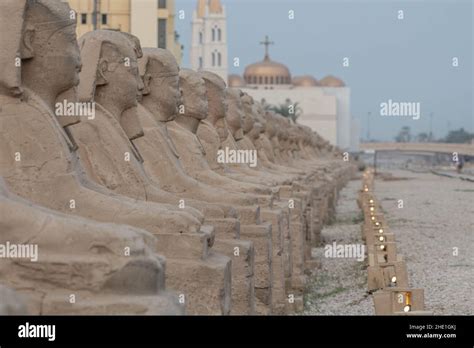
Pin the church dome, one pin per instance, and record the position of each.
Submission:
(305, 81)
(267, 72)
(331, 81)
(234, 80)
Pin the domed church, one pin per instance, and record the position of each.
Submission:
(324, 104)
(269, 74)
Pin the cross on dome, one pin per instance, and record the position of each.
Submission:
(267, 43)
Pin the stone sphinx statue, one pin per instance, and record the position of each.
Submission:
(101, 265)
(39, 161)
(264, 146)
(241, 106)
(272, 133)
(163, 162)
(280, 139)
(212, 140)
(304, 144)
(240, 170)
(183, 132)
(159, 107)
(93, 261)
(106, 142)
(193, 159)
(216, 138)
(254, 130)
(113, 82)
(308, 178)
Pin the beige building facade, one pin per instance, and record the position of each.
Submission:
(152, 21)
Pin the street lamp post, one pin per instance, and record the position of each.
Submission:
(430, 138)
(368, 126)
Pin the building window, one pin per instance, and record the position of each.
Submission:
(266, 80)
(213, 34)
(219, 59)
(104, 18)
(255, 80)
(271, 80)
(162, 32)
(161, 3)
(213, 58)
(83, 18)
(200, 37)
(260, 80)
(200, 62)
(219, 35)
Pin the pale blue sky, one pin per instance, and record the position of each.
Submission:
(402, 60)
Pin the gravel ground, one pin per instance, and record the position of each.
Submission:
(437, 217)
(436, 221)
(339, 286)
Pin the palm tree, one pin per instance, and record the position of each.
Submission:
(288, 109)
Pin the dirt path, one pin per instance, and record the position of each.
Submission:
(339, 287)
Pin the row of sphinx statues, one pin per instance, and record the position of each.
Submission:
(144, 207)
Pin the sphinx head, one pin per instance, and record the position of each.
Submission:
(255, 132)
(193, 95)
(295, 137)
(282, 130)
(110, 75)
(247, 114)
(42, 34)
(160, 73)
(217, 106)
(260, 124)
(234, 112)
(270, 124)
(259, 111)
(305, 134)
